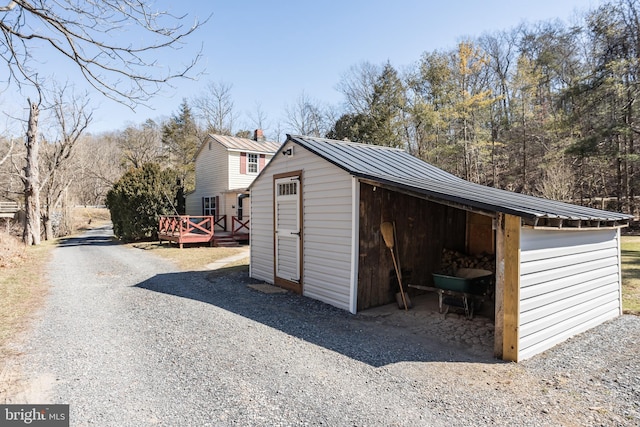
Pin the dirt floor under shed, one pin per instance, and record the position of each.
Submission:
(475, 334)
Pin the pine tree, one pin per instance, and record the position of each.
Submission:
(180, 138)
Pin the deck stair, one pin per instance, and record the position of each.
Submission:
(224, 239)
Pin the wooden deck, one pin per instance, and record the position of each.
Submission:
(202, 229)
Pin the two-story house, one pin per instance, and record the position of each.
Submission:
(225, 167)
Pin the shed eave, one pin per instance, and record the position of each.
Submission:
(461, 202)
(529, 218)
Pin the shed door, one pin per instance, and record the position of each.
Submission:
(287, 232)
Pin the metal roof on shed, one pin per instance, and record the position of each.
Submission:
(397, 168)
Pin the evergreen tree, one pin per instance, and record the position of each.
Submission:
(139, 198)
(180, 138)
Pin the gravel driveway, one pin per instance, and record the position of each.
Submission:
(128, 340)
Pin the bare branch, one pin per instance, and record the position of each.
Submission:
(6, 156)
(81, 32)
(8, 7)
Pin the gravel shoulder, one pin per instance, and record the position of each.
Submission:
(128, 340)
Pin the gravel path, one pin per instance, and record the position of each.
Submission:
(128, 340)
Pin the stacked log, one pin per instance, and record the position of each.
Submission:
(454, 260)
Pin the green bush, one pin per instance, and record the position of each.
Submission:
(139, 198)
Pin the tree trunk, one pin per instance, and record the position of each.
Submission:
(31, 180)
(48, 228)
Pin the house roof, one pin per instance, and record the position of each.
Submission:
(234, 143)
(246, 144)
(397, 168)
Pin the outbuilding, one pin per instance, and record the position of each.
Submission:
(316, 212)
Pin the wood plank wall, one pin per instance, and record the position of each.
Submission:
(423, 229)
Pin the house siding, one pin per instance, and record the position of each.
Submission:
(327, 227)
(218, 170)
(238, 179)
(569, 282)
(211, 177)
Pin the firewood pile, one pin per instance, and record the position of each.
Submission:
(453, 260)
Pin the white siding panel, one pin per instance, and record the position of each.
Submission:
(327, 226)
(211, 176)
(570, 282)
(560, 290)
(546, 253)
(584, 323)
(262, 247)
(547, 315)
(549, 239)
(536, 283)
(323, 249)
(236, 179)
(556, 263)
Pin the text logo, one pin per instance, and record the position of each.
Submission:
(34, 415)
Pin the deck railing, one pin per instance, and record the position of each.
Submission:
(221, 222)
(193, 229)
(239, 226)
(181, 225)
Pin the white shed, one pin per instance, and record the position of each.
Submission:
(318, 205)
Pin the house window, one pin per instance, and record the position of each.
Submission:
(252, 163)
(209, 206)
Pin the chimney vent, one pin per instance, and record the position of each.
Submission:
(258, 135)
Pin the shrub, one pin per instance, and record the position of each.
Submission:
(139, 198)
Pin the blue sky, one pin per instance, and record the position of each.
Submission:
(273, 51)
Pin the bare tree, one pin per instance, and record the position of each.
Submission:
(258, 117)
(71, 117)
(306, 117)
(30, 176)
(556, 181)
(216, 108)
(7, 176)
(8, 153)
(82, 33)
(141, 144)
(357, 86)
(99, 165)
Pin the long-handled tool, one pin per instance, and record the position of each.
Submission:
(387, 230)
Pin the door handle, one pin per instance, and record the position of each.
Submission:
(297, 233)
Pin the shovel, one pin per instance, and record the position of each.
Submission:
(387, 230)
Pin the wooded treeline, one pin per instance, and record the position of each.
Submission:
(547, 109)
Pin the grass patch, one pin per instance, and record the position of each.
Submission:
(191, 257)
(244, 262)
(630, 249)
(22, 286)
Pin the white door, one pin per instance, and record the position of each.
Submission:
(287, 229)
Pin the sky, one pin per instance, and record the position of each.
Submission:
(271, 52)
